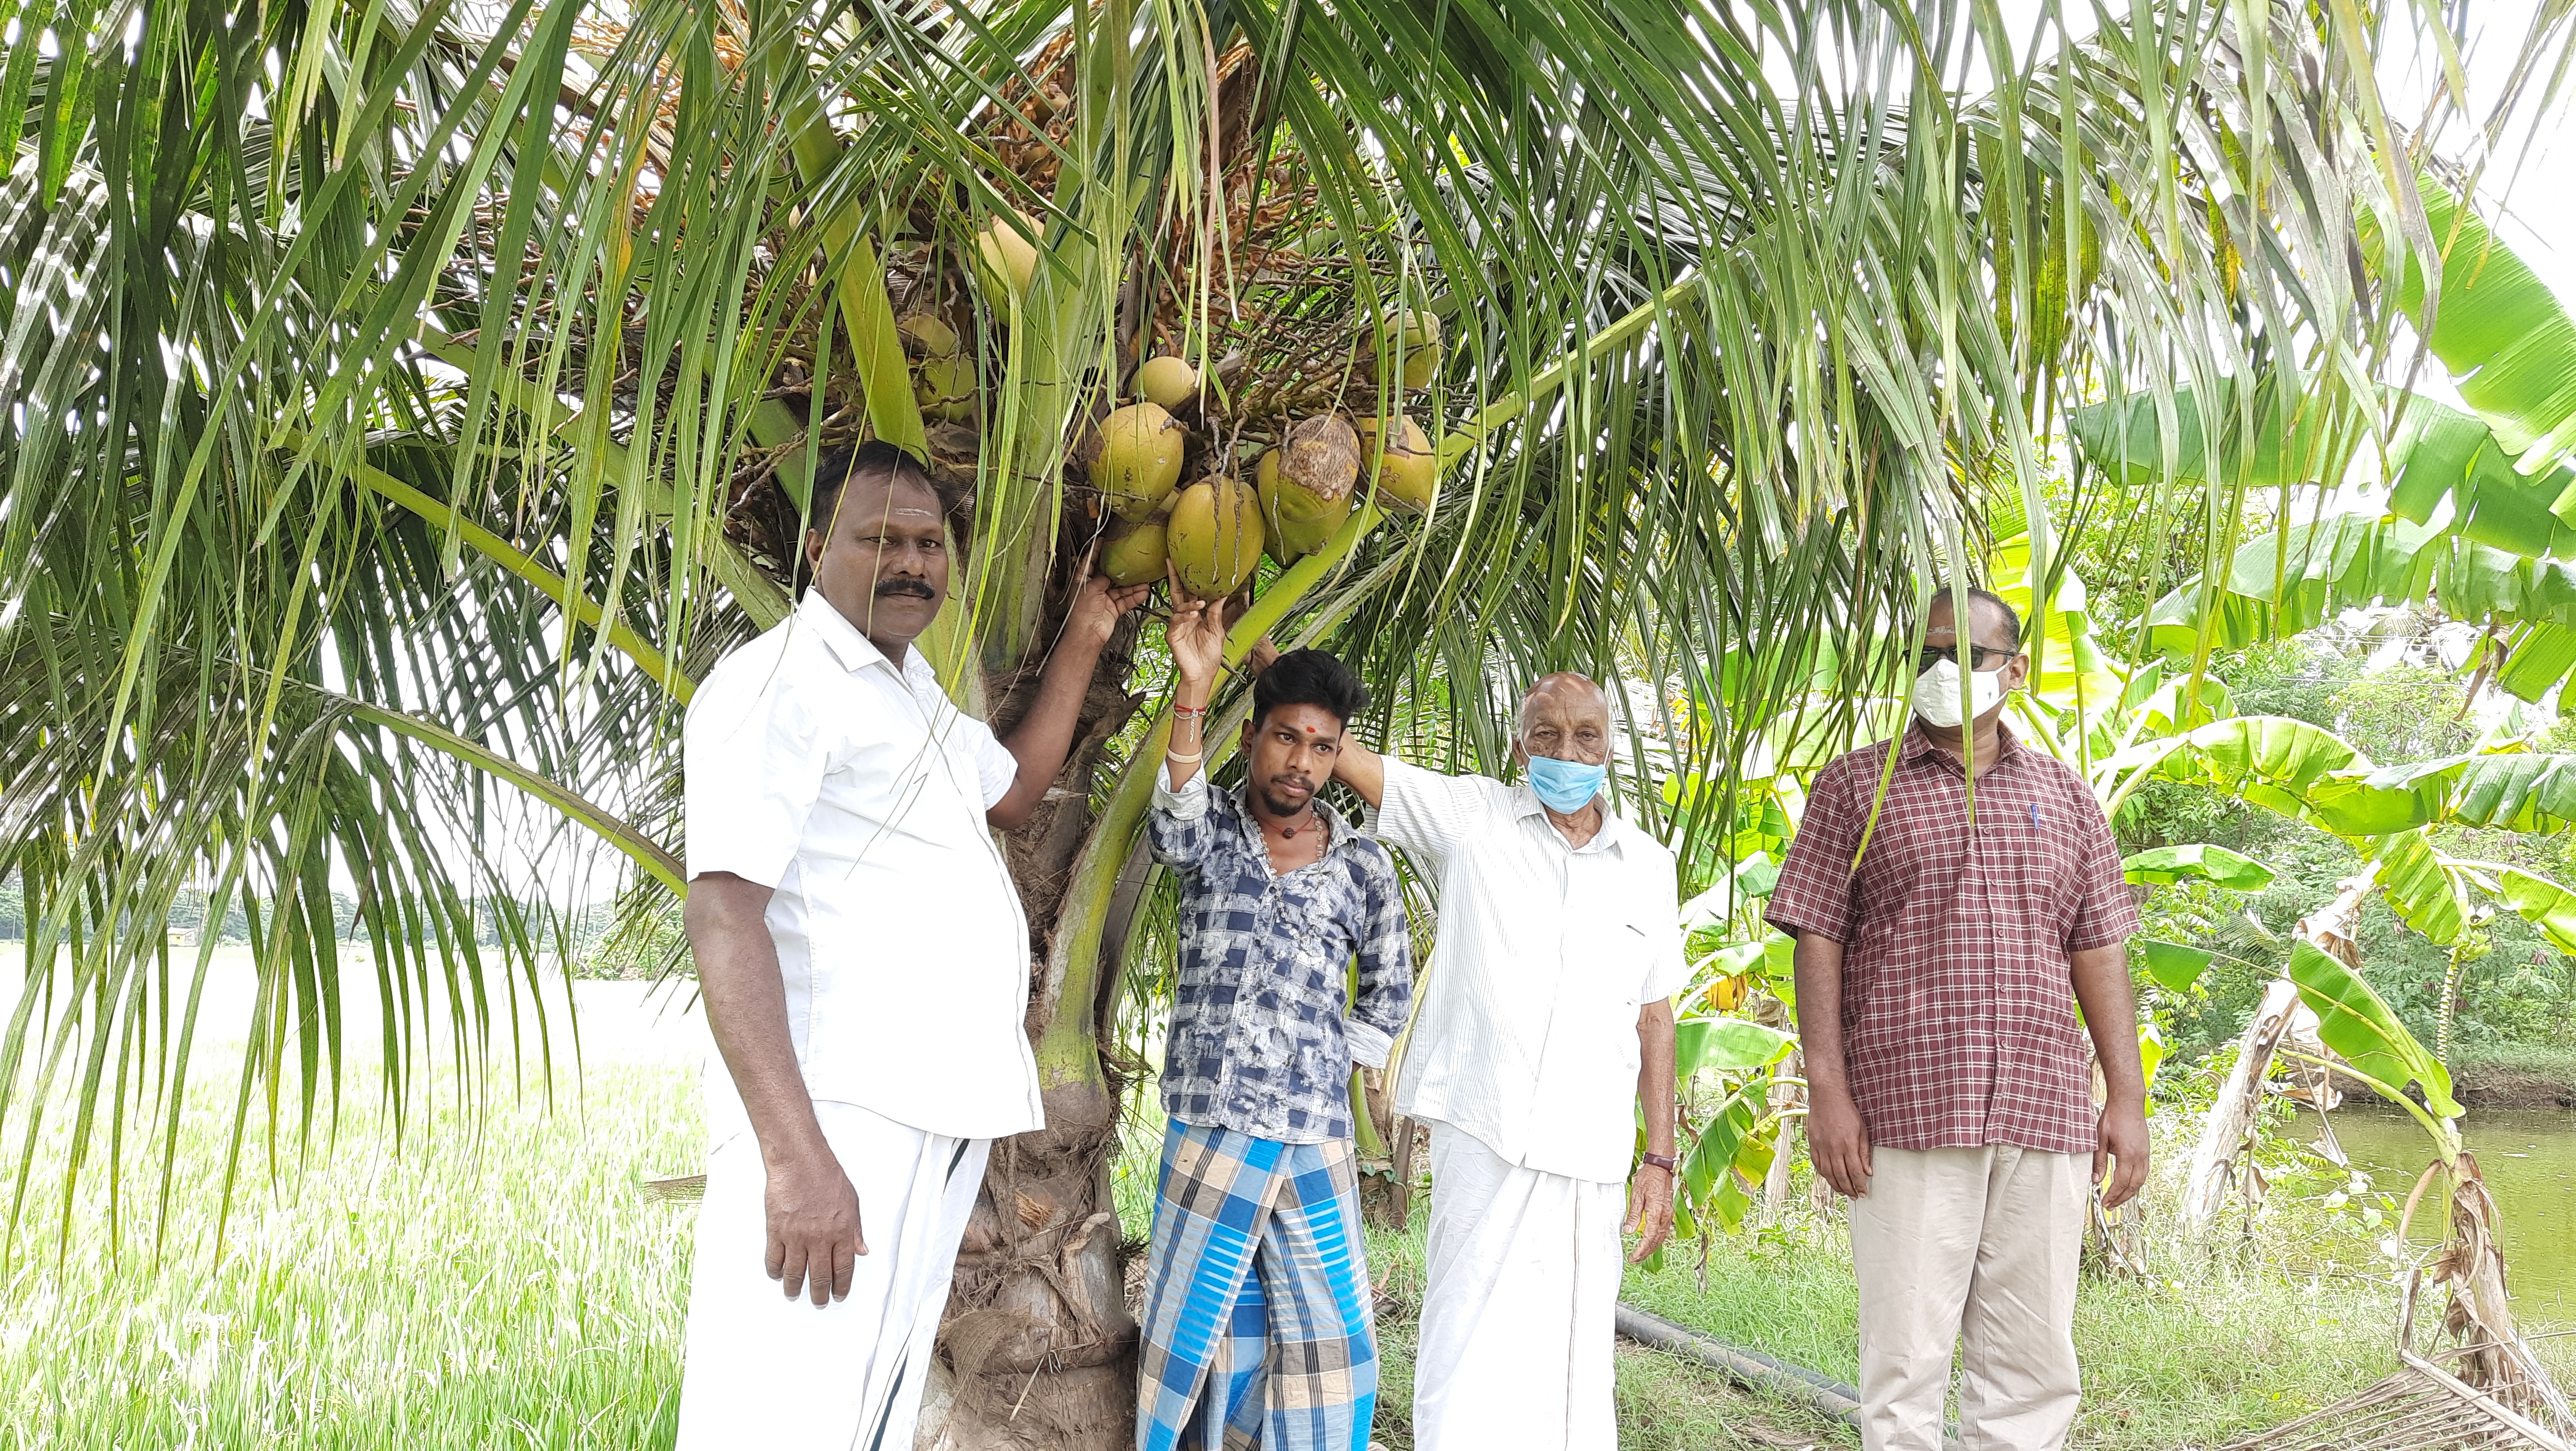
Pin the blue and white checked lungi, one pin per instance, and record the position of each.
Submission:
(1257, 1325)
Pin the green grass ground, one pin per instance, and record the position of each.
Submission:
(504, 1280)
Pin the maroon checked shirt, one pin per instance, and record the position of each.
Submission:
(1958, 998)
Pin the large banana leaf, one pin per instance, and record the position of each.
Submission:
(2497, 479)
(2197, 862)
(1734, 1148)
(2543, 903)
(2275, 761)
(2253, 437)
(2426, 890)
(2517, 791)
(1730, 1045)
(2505, 338)
(2357, 1024)
(2440, 453)
(2307, 772)
(2279, 585)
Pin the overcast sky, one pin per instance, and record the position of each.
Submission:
(2539, 199)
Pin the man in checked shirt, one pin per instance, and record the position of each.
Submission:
(1257, 1316)
(1941, 958)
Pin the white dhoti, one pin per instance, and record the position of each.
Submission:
(1519, 1307)
(764, 1370)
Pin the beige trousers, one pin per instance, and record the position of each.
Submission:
(1979, 1247)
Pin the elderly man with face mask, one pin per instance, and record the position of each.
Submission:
(1952, 909)
(865, 966)
(1546, 1020)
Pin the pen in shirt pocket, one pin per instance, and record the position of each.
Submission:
(2034, 813)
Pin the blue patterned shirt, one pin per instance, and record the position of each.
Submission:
(1260, 1038)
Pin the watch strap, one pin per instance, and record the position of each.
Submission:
(1665, 1162)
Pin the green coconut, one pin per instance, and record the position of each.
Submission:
(929, 334)
(1005, 259)
(1410, 473)
(1307, 483)
(1167, 381)
(945, 386)
(1139, 459)
(1134, 553)
(1281, 539)
(1420, 335)
(1215, 538)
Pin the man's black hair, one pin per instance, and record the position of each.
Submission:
(1308, 677)
(836, 465)
(2012, 617)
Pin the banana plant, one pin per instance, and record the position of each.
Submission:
(1729, 1068)
(2370, 1046)
(2480, 504)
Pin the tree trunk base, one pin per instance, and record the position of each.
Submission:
(1039, 1349)
(1085, 1408)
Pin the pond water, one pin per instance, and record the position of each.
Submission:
(2529, 1159)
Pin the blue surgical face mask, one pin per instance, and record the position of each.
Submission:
(1565, 786)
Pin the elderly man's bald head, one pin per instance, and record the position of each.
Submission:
(1565, 715)
(1573, 686)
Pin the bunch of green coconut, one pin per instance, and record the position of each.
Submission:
(1214, 530)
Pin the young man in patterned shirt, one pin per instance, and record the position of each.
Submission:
(1256, 1326)
(1944, 943)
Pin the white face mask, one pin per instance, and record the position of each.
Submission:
(1936, 693)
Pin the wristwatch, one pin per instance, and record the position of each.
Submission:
(1665, 1162)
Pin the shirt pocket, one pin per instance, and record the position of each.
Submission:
(1624, 961)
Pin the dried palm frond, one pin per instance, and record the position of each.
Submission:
(2419, 1406)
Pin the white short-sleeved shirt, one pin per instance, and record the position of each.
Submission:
(858, 790)
(1527, 1033)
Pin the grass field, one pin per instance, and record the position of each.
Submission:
(504, 1281)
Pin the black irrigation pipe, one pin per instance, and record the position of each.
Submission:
(1751, 1369)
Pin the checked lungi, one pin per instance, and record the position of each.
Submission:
(1257, 1325)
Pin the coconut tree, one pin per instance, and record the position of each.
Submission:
(409, 401)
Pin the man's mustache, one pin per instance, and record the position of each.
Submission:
(918, 589)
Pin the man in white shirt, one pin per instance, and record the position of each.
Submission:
(1546, 1018)
(865, 967)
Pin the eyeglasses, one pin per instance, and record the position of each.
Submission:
(1980, 657)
